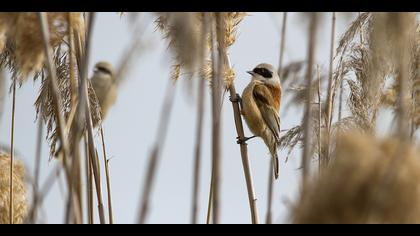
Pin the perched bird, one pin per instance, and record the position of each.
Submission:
(104, 84)
(105, 87)
(260, 104)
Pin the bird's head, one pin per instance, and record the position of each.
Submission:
(265, 73)
(104, 67)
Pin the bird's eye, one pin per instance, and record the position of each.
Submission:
(264, 72)
(103, 69)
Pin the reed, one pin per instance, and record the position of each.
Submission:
(19, 201)
(306, 153)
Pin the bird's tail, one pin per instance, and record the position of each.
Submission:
(275, 164)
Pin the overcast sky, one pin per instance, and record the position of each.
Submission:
(132, 123)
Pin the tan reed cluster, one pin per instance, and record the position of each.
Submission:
(370, 180)
(20, 204)
(21, 45)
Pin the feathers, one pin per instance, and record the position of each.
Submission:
(264, 99)
(260, 109)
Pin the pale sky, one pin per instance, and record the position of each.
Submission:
(132, 123)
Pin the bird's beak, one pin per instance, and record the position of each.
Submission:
(251, 72)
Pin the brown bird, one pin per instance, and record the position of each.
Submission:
(104, 84)
(105, 87)
(260, 105)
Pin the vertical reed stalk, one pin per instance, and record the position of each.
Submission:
(155, 155)
(37, 170)
(307, 118)
(217, 71)
(84, 107)
(330, 105)
(404, 31)
(282, 44)
(12, 153)
(54, 89)
(197, 159)
(89, 186)
(340, 102)
(73, 81)
(57, 105)
(199, 129)
(108, 180)
(210, 202)
(319, 121)
(269, 217)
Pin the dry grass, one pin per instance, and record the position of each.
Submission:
(21, 45)
(20, 204)
(375, 65)
(369, 181)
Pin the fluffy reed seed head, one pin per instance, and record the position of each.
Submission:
(21, 38)
(369, 181)
(20, 204)
(183, 32)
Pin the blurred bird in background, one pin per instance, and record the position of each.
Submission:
(105, 86)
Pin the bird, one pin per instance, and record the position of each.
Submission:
(260, 107)
(104, 85)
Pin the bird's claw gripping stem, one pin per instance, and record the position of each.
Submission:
(243, 140)
(236, 99)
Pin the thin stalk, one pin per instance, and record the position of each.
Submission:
(54, 89)
(403, 68)
(199, 129)
(307, 118)
(319, 122)
(217, 70)
(282, 44)
(269, 216)
(244, 150)
(340, 102)
(270, 193)
(57, 103)
(78, 184)
(245, 160)
(330, 104)
(73, 188)
(12, 152)
(35, 201)
(84, 108)
(73, 81)
(155, 155)
(197, 159)
(89, 185)
(210, 202)
(108, 181)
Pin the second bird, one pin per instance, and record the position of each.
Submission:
(103, 82)
(261, 107)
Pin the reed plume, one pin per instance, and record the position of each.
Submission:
(369, 180)
(20, 204)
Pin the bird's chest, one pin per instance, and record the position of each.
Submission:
(251, 112)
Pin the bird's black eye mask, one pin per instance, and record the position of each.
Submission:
(263, 72)
(103, 69)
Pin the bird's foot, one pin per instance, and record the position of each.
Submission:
(236, 99)
(243, 140)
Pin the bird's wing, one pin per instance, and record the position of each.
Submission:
(264, 99)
